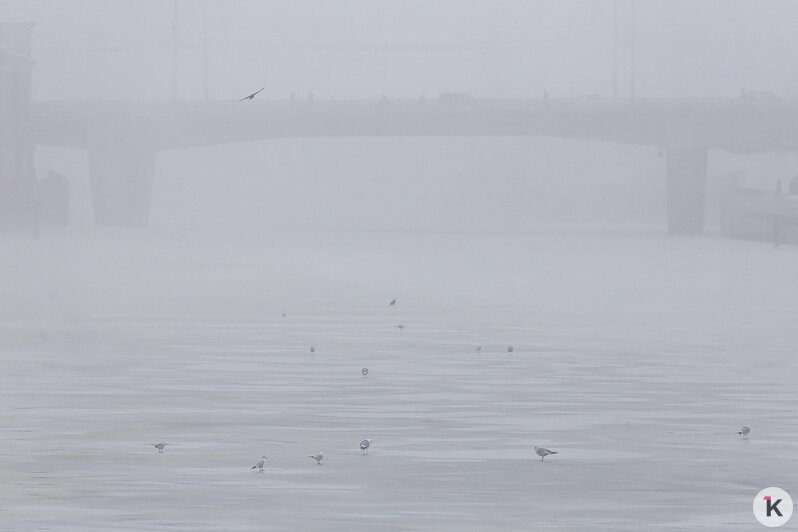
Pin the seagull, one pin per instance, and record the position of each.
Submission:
(364, 371)
(401, 326)
(312, 349)
(478, 349)
(283, 315)
(744, 431)
(509, 349)
(392, 303)
(542, 452)
(159, 446)
(318, 457)
(251, 96)
(259, 464)
(364, 445)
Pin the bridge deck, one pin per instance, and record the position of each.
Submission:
(736, 124)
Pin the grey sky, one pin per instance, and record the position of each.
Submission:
(365, 48)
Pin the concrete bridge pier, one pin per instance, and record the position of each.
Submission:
(686, 174)
(121, 183)
(18, 202)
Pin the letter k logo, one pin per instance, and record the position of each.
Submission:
(772, 506)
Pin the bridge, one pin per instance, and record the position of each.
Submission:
(122, 138)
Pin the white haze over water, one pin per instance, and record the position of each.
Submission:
(637, 357)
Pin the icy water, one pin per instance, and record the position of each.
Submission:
(636, 356)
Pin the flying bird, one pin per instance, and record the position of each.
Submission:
(364, 371)
(251, 96)
(260, 463)
(318, 457)
(159, 446)
(744, 431)
(401, 326)
(542, 452)
(478, 349)
(364, 445)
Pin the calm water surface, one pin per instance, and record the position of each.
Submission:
(636, 356)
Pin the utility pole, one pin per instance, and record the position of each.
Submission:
(174, 50)
(205, 47)
(614, 49)
(632, 43)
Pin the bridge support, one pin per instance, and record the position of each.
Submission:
(686, 171)
(19, 207)
(121, 183)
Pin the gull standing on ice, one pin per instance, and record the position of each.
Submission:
(260, 463)
(160, 446)
(318, 457)
(509, 349)
(392, 303)
(744, 431)
(542, 452)
(364, 445)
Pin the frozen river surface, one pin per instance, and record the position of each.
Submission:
(636, 356)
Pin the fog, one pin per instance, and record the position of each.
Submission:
(124, 51)
(356, 49)
(419, 186)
